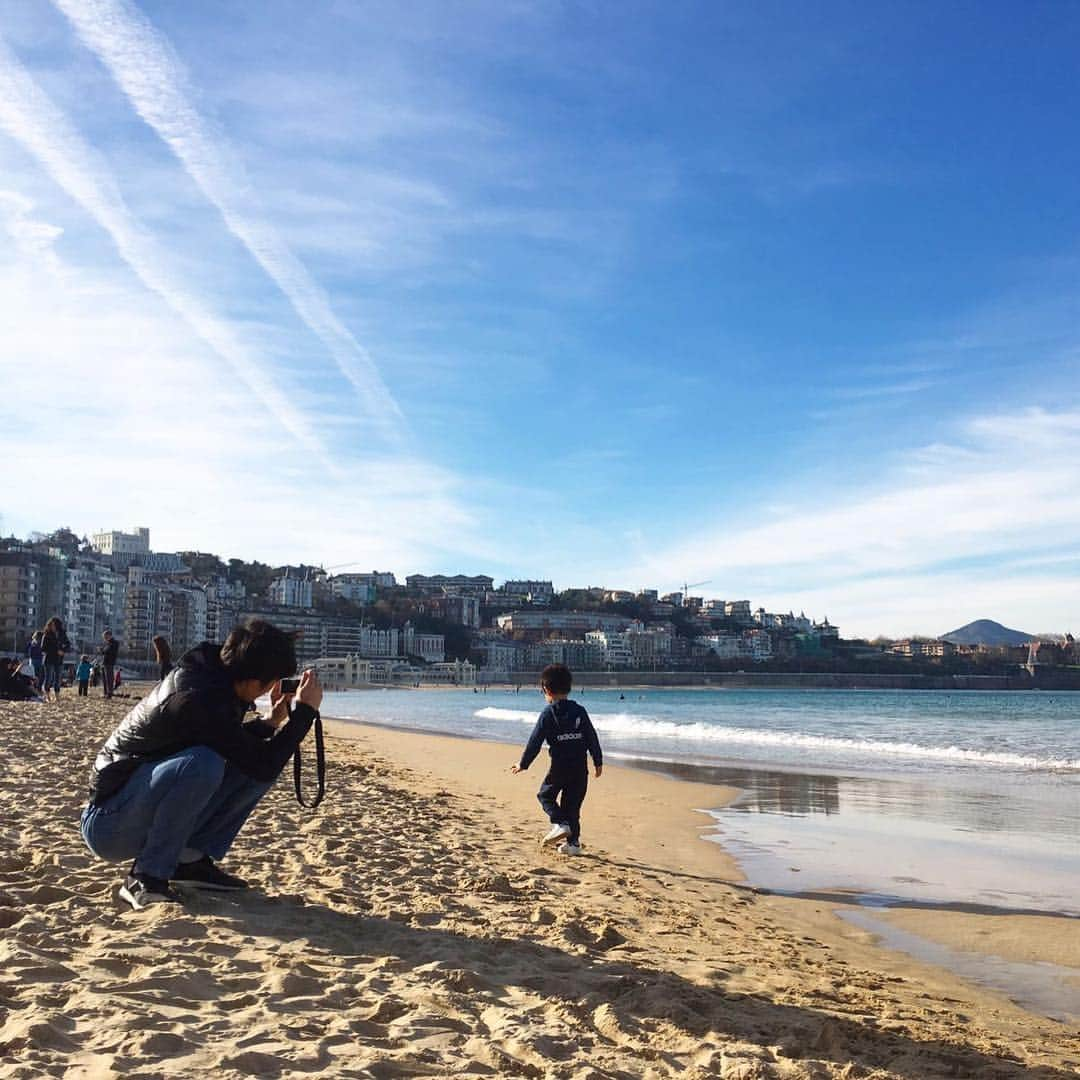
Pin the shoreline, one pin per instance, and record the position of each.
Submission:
(953, 684)
(413, 926)
(990, 946)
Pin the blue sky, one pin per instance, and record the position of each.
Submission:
(777, 298)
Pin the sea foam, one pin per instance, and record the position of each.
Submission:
(629, 725)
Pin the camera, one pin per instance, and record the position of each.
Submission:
(290, 686)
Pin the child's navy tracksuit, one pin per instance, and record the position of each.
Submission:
(568, 731)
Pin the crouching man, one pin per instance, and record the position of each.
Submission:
(177, 779)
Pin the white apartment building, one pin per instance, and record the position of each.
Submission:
(455, 585)
(648, 646)
(615, 651)
(500, 655)
(536, 591)
(760, 645)
(343, 672)
(725, 646)
(224, 601)
(115, 542)
(575, 654)
(563, 622)
(359, 588)
(778, 621)
(176, 612)
(94, 596)
(340, 673)
(290, 591)
(429, 647)
(453, 672)
(162, 562)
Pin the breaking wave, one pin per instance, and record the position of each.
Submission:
(628, 725)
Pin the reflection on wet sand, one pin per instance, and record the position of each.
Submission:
(944, 842)
(1017, 805)
(764, 791)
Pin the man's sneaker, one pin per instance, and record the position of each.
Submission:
(141, 890)
(557, 833)
(569, 849)
(203, 874)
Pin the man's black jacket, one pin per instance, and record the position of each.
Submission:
(109, 652)
(195, 705)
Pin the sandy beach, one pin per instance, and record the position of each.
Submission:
(412, 926)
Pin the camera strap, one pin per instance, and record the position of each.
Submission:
(320, 769)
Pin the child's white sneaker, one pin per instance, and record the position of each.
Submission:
(569, 849)
(556, 833)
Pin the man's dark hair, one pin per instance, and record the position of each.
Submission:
(556, 679)
(258, 650)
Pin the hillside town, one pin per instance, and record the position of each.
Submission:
(363, 628)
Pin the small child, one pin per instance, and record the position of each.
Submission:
(569, 733)
(82, 674)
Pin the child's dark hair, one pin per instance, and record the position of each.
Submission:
(259, 650)
(556, 679)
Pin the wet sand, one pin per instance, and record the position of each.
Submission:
(412, 926)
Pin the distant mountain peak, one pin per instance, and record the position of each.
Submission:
(986, 632)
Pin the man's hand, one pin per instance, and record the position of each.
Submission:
(279, 706)
(310, 692)
(515, 769)
(598, 771)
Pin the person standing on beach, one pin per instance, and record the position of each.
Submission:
(175, 782)
(109, 651)
(163, 656)
(571, 737)
(82, 675)
(54, 643)
(36, 658)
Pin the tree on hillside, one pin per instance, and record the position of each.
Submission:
(256, 576)
(203, 566)
(64, 539)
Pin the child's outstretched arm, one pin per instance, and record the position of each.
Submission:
(592, 743)
(532, 747)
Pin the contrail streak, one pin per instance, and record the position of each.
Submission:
(32, 118)
(147, 69)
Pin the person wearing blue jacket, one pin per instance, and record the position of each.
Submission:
(82, 675)
(565, 726)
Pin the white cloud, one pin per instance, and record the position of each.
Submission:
(151, 75)
(29, 233)
(118, 415)
(31, 118)
(891, 556)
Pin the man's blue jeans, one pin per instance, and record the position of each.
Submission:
(194, 799)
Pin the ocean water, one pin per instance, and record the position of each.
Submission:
(870, 732)
(888, 796)
(881, 799)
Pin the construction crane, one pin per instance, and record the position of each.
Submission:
(692, 585)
